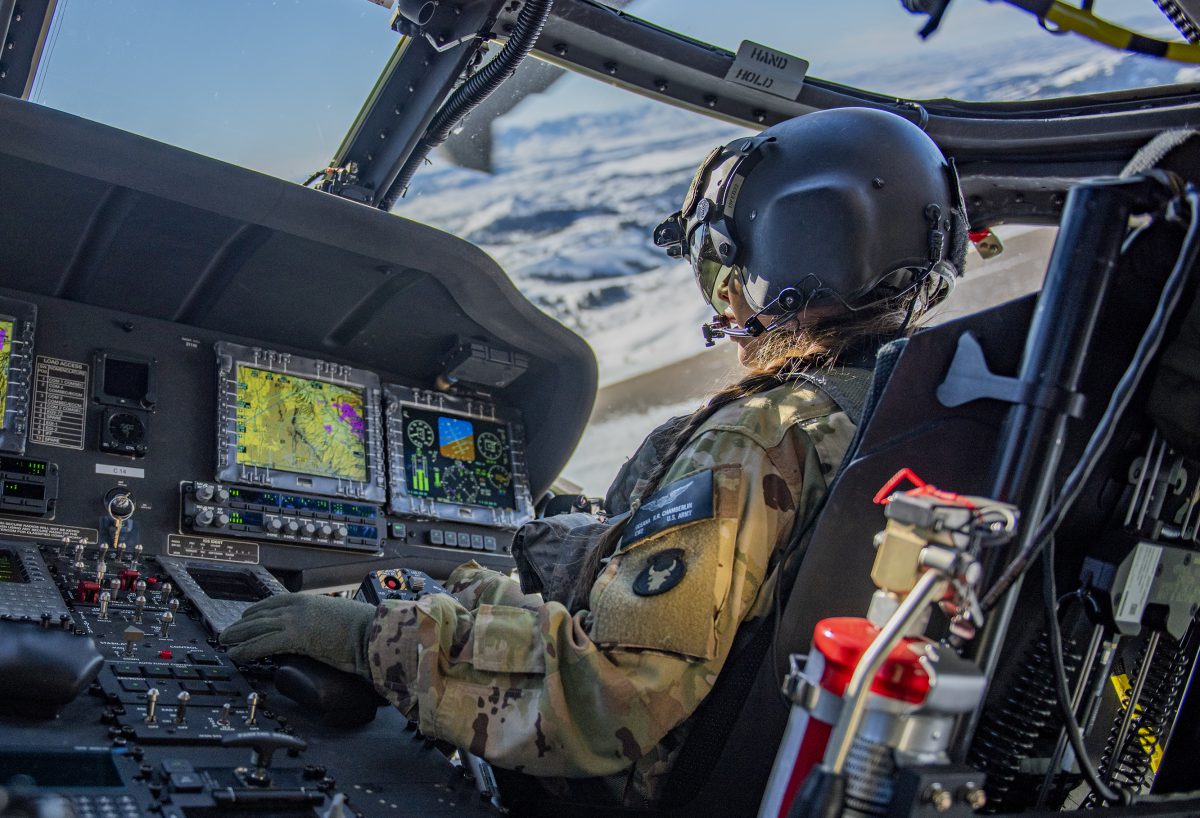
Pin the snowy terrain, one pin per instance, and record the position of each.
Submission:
(569, 210)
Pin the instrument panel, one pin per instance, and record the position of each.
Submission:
(237, 451)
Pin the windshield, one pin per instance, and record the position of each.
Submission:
(579, 173)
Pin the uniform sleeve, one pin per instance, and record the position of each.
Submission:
(549, 693)
(472, 585)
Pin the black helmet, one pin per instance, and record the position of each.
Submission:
(848, 206)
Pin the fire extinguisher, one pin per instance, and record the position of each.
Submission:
(816, 693)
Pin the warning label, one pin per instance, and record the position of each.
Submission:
(30, 530)
(209, 548)
(59, 414)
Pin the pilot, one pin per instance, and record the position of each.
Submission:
(815, 242)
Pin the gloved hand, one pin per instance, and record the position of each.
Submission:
(331, 630)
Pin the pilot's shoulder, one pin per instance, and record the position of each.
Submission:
(765, 417)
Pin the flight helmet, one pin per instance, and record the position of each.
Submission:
(848, 207)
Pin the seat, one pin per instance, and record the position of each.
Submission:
(724, 767)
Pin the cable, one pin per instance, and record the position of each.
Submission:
(1083, 22)
(1122, 395)
(1062, 695)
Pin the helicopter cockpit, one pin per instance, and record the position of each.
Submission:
(240, 359)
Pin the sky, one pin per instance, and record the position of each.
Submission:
(273, 85)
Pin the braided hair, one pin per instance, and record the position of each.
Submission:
(774, 358)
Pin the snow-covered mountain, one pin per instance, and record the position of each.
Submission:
(569, 210)
(568, 214)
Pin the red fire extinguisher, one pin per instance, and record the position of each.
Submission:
(816, 693)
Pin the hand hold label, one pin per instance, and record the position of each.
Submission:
(768, 70)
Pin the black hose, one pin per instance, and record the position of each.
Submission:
(1074, 733)
(1122, 395)
(471, 93)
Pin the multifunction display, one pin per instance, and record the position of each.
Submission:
(457, 459)
(17, 324)
(6, 342)
(454, 457)
(296, 424)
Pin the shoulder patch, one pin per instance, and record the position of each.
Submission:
(683, 501)
(663, 572)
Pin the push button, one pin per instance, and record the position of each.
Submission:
(186, 782)
(451, 538)
(134, 685)
(180, 672)
(435, 537)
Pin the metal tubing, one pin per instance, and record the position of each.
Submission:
(1085, 672)
(1134, 698)
(859, 688)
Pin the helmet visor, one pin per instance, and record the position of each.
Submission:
(711, 274)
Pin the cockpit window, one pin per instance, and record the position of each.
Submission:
(268, 86)
(982, 51)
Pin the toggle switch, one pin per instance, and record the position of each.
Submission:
(181, 703)
(151, 705)
(105, 597)
(132, 635)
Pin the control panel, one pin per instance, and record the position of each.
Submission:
(272, 515)
(155, 482)
(120, 695)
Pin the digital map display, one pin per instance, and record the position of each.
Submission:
(6, 334)
(456, 459)
(301, 425)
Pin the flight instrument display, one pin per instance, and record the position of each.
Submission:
(298, 424)
(457, 459)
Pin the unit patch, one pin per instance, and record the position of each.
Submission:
(663, 572)
(686, 500)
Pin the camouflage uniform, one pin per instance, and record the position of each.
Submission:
(529, 686)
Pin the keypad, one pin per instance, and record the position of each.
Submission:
(105, 806)
(461, 539)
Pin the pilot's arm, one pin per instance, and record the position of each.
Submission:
(537, 689)
(472, 585)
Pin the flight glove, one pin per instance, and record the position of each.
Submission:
(331, 630)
